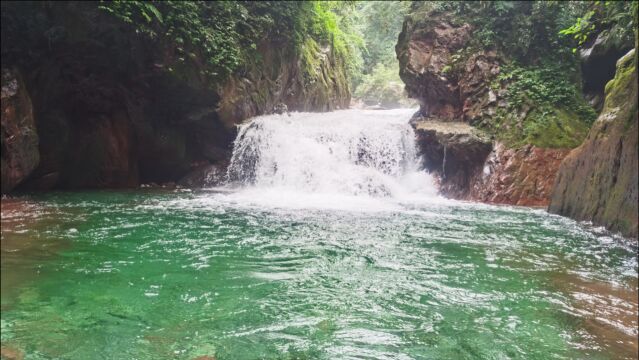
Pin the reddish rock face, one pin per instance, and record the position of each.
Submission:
(517, 176)
(19, 137)
(424, 50)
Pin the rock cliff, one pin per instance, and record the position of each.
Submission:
(470, 167)
(453, 151)
(456, 79)
(114, 109)
(598, 180)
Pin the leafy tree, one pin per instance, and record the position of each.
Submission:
(618, 17)
(379, 23)
(383, 86)
(213, 39)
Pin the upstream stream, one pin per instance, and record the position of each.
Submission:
(327, 243)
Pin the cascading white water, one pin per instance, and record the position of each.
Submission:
(354, 153)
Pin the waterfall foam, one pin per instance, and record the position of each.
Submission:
(325, 158)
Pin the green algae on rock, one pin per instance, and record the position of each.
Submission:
(598, 180)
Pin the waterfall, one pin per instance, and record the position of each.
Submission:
(361, 153)
(444, 164)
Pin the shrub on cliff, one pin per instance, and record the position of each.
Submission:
(190, 39)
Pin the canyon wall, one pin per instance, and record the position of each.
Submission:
(598, 180)
(113, 108)
(458, 78)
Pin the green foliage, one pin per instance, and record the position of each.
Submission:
(377, 77)
(597, 16)
(191, 39)
(383, 86)
(544, 107)
(540, 77)
(550, 127)
(581, 29)
(543, 86)
(332, 23)
(526, 30)
(380, 23)
(217, 32)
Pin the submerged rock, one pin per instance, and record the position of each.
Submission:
(598, 180)
(19, 136)
(10, 353)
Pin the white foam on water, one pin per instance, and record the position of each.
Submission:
(361, 160)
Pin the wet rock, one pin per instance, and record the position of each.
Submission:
(454, 152)
(19, 137)
(280, 78)
(41, 183)
(117, 116)
(458, 83)
(598, 62)
(598, 181)
(280, 108)
(469, 168)
(523, 176)
(204, 176)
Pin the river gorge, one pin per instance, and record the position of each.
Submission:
(335, 247)
(319, 180)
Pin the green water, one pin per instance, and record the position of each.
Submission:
(144, 275)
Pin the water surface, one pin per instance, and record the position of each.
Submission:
(328, 242)
(146, 275)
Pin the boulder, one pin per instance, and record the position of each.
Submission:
(424, 51)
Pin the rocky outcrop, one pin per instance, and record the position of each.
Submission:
(598, 180)
(467, 86)
(598, 61)
(424, 51)
(282, 76)
(19, 137)
(523, 176)
(454, 152)
(467, 167)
